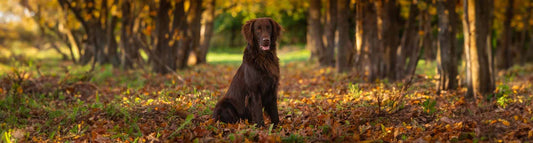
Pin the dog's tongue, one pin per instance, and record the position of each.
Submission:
(265, 47)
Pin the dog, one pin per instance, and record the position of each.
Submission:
(256, 82)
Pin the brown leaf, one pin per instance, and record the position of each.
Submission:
(447, 120)
(200, 132)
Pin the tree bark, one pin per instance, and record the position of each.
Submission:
(195, 25)
(101, 45)
(388, 30)
(345, 50)
(446, 58)
(130, 54)
(180, 38)
(366, 38)
(359, 42)
(327, 54)
(427, 39)
(505, 52)
(191, 38)
(112, 45)
(522, 55)
(208, 26)
(162, 48)
(409, 49)
(314, 30)
(528, 51)
(480, 79)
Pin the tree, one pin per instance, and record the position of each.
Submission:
(48, 22)
(479, 68)
(194, 18)
(388, 14)
(326, 57)
(505, 55)
(165, 61)
(208, 26)
(99, 24)
(131, 53)
(427, 39)
(523, 56)
(446, 58)
(528, 50)
(366, 38)
(409, 52)
(345, 50)
(314, 30)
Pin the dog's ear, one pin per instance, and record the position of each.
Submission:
(247, 31)
(276, 29)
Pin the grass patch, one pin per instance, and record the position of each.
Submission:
(234, 55)
(428, 68)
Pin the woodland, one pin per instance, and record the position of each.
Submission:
(350, 70)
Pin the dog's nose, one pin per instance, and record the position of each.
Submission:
(266, 39)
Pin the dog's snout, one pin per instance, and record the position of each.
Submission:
(266, 39)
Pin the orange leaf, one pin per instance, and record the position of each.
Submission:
(504, 122)
(19, 90)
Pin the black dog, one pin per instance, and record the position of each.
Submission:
(256, 82)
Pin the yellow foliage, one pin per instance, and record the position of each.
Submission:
(19, 90)
(504, 122)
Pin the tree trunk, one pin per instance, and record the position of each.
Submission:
(163, 50)
(192, 28)
(388, 30)
(345, 50)
(208, 26)
(131, 51)
(528, 51)
(409, 44)
(505, 51)
(314, 30)
(522, 55)
(480, 80)
(195, 26)
(359, 43)
(101, 45)
(366, 38)
(112, 45)
(72, 42)
(446, 58)
(98, 39)
(327, 54)
(427, 39)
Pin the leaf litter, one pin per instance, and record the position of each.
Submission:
(315, 105)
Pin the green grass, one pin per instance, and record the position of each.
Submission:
(50, 62)
(234, 55)
(428, 68)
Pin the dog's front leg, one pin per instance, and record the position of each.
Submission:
(256, 109)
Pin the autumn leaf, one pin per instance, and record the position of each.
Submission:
(504, 122)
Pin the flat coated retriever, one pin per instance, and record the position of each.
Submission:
(255, 85)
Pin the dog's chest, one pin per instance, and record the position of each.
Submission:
(261, 79)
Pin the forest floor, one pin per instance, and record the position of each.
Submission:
(315, 104)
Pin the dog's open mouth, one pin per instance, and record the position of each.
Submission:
(265, 48)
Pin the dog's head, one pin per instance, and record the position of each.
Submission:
(261, 33)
